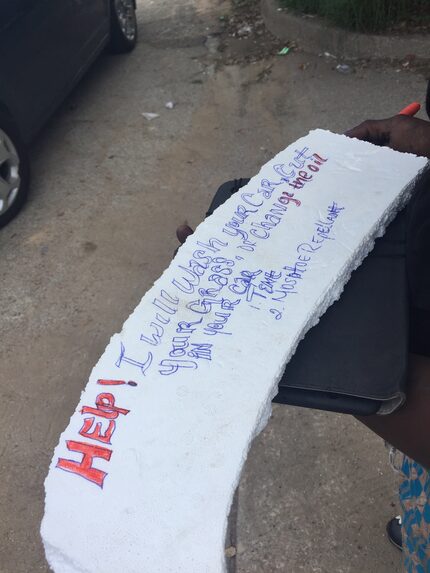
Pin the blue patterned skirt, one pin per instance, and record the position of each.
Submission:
(415, 502)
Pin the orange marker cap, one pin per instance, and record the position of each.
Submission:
(411, 109)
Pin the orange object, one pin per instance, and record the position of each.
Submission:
(411, 109)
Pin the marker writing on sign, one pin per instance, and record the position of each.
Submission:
(116, 382)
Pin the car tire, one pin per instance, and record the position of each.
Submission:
(123, 26)
(14, 170)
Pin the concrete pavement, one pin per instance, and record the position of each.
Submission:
(108, 190)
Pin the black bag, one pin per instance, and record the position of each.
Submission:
(354, 360)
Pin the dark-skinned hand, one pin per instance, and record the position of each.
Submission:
(402, 133)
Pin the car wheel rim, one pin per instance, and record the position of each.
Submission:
(126, 17)
(9, 173)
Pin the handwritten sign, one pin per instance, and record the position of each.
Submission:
(143, 476)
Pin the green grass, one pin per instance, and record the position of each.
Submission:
(366, 15)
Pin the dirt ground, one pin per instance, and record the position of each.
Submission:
(109, 188)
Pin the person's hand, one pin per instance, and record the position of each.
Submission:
(402, 133)
(182, 232)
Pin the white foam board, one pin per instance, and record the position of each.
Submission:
(144, 474)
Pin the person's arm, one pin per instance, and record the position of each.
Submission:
(408, 429)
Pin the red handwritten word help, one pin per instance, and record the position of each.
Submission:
(99, 426)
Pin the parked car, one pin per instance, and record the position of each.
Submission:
(45, 48)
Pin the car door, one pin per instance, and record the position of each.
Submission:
(35, 50)
(92, 19)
